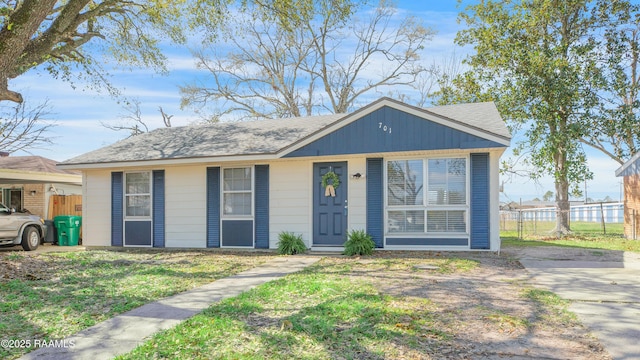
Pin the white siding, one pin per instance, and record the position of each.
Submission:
(186, 207)
(290, 201)
(96, 208)
(357, 194)
(494, 200)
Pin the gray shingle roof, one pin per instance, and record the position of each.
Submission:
(261, 137)
(484, 116)
(221, 139)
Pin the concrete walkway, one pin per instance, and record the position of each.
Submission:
(603, 286)
(123, 333)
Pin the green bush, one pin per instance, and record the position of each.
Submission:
(358, 243)
(290, 244)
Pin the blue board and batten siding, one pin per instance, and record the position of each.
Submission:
(158, 209)
(262, 207)
(213, 207)
(391, 130)
(375, 201)
(479, 207)
(117, 216)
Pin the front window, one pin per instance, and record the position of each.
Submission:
(237, 192)
(437, 205)
(138, 194)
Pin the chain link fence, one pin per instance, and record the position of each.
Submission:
(591, 219)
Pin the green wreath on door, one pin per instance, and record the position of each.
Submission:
(330, 183)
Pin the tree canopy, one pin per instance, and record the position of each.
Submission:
(539, 61)
(615, 123)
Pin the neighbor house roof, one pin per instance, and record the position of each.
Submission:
(269, 138)
(34, 169)
(631, 167)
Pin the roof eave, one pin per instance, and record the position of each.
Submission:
(164, 162)
(20, 176)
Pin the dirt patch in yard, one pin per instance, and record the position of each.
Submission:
(487, 311)
(24, 268)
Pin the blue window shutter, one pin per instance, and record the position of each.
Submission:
(261, 195)
(158, 208)
(117, 206)
(213, 207)
(375, 226)
(480, 201)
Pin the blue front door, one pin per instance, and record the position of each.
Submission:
(329, 212)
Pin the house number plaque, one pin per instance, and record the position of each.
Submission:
(384, 127)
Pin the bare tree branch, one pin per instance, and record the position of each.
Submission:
(23, 127)
(132, 121)
(279, 71)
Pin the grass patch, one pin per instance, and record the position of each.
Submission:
(320, 313)
(54, 295)
(504, 321)
(554, 308)
(576, 241)
(545, 228)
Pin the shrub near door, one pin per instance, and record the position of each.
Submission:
(359, 243)
(290, 244)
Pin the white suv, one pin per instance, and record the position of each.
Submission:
(21, 228)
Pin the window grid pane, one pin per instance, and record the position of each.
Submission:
(138, 183)
(446, 221)
(138, 205)
(237, 191)
(406, 221)
(447, 182)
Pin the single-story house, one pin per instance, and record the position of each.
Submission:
(630, 171)
(29, 182)
(412, 178)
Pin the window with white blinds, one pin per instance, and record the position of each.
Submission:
(437, 205)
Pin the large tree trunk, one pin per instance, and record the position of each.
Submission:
(563, 206)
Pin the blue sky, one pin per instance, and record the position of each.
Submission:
(78, 113)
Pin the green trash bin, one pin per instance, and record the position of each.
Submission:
(68, 228)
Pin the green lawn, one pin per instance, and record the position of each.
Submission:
(545, 228)
(53, 295)
(607, 242)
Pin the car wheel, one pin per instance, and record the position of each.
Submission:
(30, 239)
